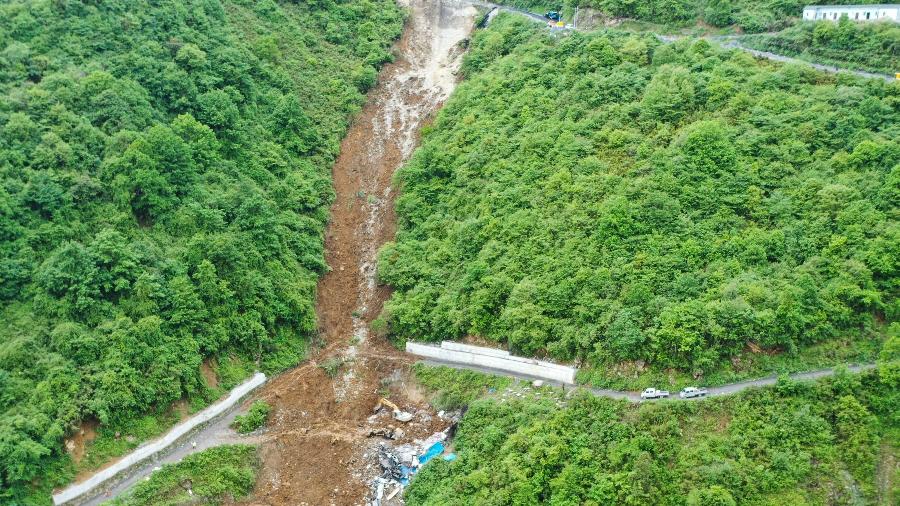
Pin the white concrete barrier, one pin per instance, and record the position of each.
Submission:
(468, 348)
(156, 446)
(493, 359)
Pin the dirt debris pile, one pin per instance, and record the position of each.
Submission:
(321, 448)
(391, 465)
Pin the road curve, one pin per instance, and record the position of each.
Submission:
(733, 43)
(726, 41)
(631, 396)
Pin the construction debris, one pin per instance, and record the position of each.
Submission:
(399, 415)
(386, 432)
(399, 464)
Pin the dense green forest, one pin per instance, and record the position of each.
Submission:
(214, 476)
(164, 184)
(606, 198)
(874, 47)
(749, 15)
(835, 442)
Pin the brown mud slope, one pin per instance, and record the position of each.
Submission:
(316, 451)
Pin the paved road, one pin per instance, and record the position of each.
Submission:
(636, 397)
(727, 41)
(731, 42)
(216, 432)
(506, 8)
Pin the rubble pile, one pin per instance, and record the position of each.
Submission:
(395, 458)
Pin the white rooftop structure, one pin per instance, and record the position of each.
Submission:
(873, 12)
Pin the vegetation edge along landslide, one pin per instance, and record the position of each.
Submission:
(214, 476)
(165, 183)
(612, 200)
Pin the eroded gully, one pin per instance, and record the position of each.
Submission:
(314, 451)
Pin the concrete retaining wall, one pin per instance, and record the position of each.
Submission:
(493, 359)
(152, 448)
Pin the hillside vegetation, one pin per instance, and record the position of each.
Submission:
(604, 198)
(214, 476)
(164, 184)
(748, 15)
(794, 443)
(874, 47)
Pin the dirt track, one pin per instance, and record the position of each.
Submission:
(313, 450)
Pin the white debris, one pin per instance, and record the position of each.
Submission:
(537, 383)
(402, 416)
(379, 491)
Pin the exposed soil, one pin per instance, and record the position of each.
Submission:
(77, 444)
(208, 370)
(316, 451)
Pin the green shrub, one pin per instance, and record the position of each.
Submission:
(332, 366)
(874, 47)
(164, 187)
(455, 388)
(255, 418)
(756, 447)
(573, 203)
(214, 476)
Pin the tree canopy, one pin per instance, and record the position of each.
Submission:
(164, 185)
(751, 16)
(604, 197)
(794, 443)
(873, 47)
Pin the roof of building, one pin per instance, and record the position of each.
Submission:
(892, 6)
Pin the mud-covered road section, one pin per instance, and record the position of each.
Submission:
(316, 451)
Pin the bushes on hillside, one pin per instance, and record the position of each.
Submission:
(873, 47)
(673, 211)
(255, 417)
(164, 185)
(796, 443)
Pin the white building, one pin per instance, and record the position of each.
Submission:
(875, 12)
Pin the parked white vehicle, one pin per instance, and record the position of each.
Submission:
(691, 392)
(652, 393)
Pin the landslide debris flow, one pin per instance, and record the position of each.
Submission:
(317, 450)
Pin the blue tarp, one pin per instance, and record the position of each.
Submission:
(405, 474)
(450, 457)
(435, 450)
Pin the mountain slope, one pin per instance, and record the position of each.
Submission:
(164, 183)
(605, 198)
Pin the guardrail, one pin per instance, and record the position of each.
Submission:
(493, 358)
(155, 447)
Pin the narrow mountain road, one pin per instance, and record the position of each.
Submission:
(727, 41)
(728, 389)
(734, 43)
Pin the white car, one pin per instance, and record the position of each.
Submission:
(691, 392)
(652, 393)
